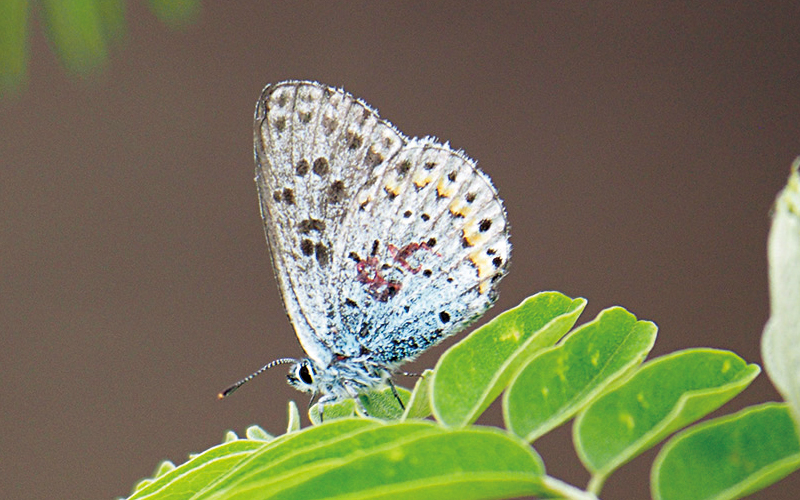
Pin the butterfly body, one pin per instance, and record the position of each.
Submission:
(382, 245)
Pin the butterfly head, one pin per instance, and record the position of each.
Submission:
(303, 376)
(340, 379)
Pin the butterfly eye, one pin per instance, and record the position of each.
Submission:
(305, 375)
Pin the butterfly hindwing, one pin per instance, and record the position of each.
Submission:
(427, 244)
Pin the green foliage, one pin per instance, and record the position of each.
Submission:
(418, 405)
(183, 481)
(666, 394)
(470, 375)
(371, 448)
(81, 32)
(13, 43)
(559, 381)
(378, 404)
(728, 457)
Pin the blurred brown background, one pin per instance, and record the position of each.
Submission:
(638, 149)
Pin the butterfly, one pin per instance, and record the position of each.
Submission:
(382, 245)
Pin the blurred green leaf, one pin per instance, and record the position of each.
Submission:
(780, 344)
(81, 32)
(558, 382)
(13, 44)
(663, 396)
(75, 29)
(472, 373)
(728, 457)
(176, 13)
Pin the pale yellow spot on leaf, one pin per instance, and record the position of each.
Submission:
(561, 370)
(396, 455)
(511, 334)
(627, 420)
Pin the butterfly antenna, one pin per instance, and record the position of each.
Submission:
(231, 389)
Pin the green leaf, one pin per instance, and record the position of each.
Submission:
(176, 13)
(419, 405)
(665, 395)
(13, 44)
(256, 433)
(780, 344)
(182, 482)
(283, 451)
(728, 457)
(79, 32)
(342, 409)
(558, 382)
(400, 460)
(472, 373)
(382, 403)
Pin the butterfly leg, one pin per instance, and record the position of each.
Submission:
(396, 395)
(354, 393)
(362, 407)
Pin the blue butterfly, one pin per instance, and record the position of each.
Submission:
(382, 245)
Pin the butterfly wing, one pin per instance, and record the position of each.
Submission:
(380, 244)
(427, 243)
(314, 148)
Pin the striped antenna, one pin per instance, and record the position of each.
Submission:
(229, 390)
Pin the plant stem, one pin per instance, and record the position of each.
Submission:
(565, 490)
(596, 483)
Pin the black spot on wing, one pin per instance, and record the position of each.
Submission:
(322, 253)
(354, 140)
(307, 247)
(304, 116)
(336, 192)
(321, 166)
(302, 167)
(307, 225)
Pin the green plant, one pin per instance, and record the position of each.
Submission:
(81, 32)
(548, 372)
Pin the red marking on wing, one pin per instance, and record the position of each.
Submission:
(401, 255)
(369, 270)
(379, 287)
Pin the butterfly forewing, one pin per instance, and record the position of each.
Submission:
(312, 148)
(382, 245)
